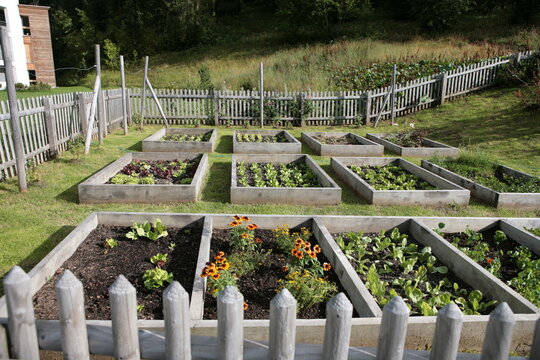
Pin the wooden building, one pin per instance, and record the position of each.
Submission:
(37, 43)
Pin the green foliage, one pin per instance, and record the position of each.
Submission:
(187, 138)
(205, 80)
(151, 231)
(159, 259)
(535, 231)
(258, 138)
(285, 239)
(390, 177)
(76, 146)
(308, 289)
(390, 265)
(110, 243)
(156, 278)
(246, 262)
(277, 175)
(439, 15)
(112, 54)
(242, 235)
(485, 172)
(376, 75)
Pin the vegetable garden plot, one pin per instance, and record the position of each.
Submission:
(149, 255)
(393, 263)
(413, 144)
(341, 144)
(419, 330)
(265, 142)
(394, 181)
(281, 179)
(492, 248)
(147, 178)
(181, 140)
(496, 184)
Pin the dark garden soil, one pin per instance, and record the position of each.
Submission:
(98, 268)
(336, 140)
(408, 139)
(161, 170)
(509, 269)
(260, 286)
(433, 278)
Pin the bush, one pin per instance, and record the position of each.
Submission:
(205, 79)
(112, 54)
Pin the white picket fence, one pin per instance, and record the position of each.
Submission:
(241, 107)
(49, 122)
(121, 338)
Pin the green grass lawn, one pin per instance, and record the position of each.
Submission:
(32, 224)
(58, 90)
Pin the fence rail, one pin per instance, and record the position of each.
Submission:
(48, 123)
(122, 338)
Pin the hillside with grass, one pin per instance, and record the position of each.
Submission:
(308, 61)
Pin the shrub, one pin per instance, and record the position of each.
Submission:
(112, 54)
(205, 79)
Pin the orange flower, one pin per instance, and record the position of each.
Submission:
(258, 241)
(327, 267)
(300, 255)
(252, 227)
(489, 261)
(245, 218)
(221, 254)
(216, 276)
(313, 254)
(234, 223)
(246, 306)
(307, 243)
(203, 275)
(297, 246)
(317, 249)
(299, 241)
(237, 218)
(293, 252)
(285, 268)
(245, 236)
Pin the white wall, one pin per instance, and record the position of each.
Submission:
(14, 26)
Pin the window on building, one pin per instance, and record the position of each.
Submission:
(2, 16)
(32, 75)
(26, 25)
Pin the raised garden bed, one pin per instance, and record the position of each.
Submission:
(392, 259)
(263, 263)
(265, 142)
(498, 185)
(515, 264)
(364, 329)
(102, 256)
(147, 178)
(289, 179)
(341, 144)
(181, 140)
(394, 181)
(416, 145)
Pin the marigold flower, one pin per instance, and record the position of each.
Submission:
(300, 255)
(221, 254)
(252, 227)
(245, 236)
(317, 249)
(293, 251)
(313, 254)
(237, 218)
(299, 241)
(216, 276)
(203, 275)
(285, 268)
(246, 306)
(245, 218)
(234, 223)
(307, 243)
(226, 266)
(258, 241)
(297, 246)
(327, 267)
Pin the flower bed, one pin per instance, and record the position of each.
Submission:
(496, 184)
(513, 263)
(265, 142)
(157, 255)
(341, 144)
(181, 140)
(147, 178)
(413, 144)
(262, 262)
(394, 181)
(394, 263)
(281, 179)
